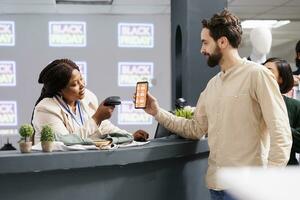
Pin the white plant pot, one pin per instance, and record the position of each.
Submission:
(47, 146)
(25, 147)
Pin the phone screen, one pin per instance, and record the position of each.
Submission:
(141, 94)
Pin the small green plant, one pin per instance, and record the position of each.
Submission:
(26, 132)
(186, 112)
(47, 134)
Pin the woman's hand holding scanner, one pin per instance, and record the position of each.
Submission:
(102, 113)
(141, 136)
(106, 108)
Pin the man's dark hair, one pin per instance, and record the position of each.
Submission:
(225, 24)
(298, 47)
(285, 72)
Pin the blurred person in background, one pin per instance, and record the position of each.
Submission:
(297, 59)
(284, 76)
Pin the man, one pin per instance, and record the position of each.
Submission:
(241, 107)
(297, 72)
(297, 59)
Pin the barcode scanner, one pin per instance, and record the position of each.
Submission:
(112, 101)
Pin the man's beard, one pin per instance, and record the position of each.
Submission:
(214, 59)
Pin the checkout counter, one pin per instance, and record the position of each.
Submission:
(166, 168)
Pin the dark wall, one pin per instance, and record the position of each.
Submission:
(190, 72)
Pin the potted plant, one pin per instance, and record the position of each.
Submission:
(186, 112)
(26, 132)
(47, 138)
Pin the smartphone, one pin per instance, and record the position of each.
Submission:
(141, 94)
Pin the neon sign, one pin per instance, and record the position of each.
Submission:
(131, 72)
(135, 35)
(83, 69)
(128, 115)
(8, 113)
(7, 73)
(67, 34)
(7, 33)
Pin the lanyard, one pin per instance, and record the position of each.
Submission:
(66, 107)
